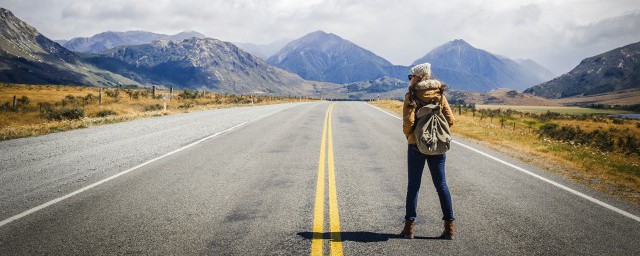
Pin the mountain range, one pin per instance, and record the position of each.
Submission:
(109, 40)
(613, 71)
(200, 63)
(188, 60)
(322, 56)
(464, 67)
(26, 56)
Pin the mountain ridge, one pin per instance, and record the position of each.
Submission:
(611, 71)
(200, 63)
(27, 56)
(322, 56)
(110, 39)
(462, 66)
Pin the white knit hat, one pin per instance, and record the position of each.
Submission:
(421, 69)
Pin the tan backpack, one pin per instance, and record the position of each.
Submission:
(433, 136)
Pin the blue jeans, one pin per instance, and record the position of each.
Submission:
(416, 161)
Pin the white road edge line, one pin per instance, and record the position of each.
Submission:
(596, 201)
(59, 199)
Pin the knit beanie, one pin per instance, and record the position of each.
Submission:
(421, 69)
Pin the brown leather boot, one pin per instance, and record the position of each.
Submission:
(448, 230)
(407, 232)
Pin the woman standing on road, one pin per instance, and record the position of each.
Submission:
(422, 90)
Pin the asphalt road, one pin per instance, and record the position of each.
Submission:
(252, 190)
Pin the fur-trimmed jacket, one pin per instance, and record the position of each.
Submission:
(427, 91)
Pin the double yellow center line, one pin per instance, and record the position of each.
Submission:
(318, 214)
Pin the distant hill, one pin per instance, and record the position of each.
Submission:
(321, 56)
(26, 56)
(502, 96)
(109, 40)
(197, 63)
(263, 51)
(464, 67)
(612, 71)
(384, 87)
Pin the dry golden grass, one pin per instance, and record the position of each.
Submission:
(614, 173)
(626, 97)
(29, 121)
(558, 109)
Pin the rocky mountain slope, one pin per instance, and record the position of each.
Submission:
(321, 56)
(613, 71)
(26, 56)
(464, 67)
(109, 40)
(196, 63)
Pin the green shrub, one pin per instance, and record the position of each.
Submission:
(113, 93)
(65, 113)
(23, 101)
(70, 100)
(618, 121)
(105, 113)
(6, 107)
(45, 107)
(153, 107)
(186, 94)
(629, 145)
(602, 140)
(187, 105)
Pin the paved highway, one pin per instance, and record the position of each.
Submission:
(292, 179)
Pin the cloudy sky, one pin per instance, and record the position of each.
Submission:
(556, 34)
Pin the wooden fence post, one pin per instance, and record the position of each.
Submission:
(153, 92)
(15, 100)
(100, 97)
(170, 92)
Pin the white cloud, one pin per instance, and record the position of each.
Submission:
(557, 34)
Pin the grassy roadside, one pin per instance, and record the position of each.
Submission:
(536, 139)
(556, 109)
(42, 109)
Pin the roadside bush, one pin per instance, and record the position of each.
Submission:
(7, 107)
(65, 113)
(638, 125)
(45, 107)
(548, 116)
(133, 94)
(70, 100)
(187, 105)
(617, 121)
(602, 140)
(23, 101)
(113, 93)
(105, 113)
(186, 94)
(153, 107)
(629, 145)
(90, 98)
